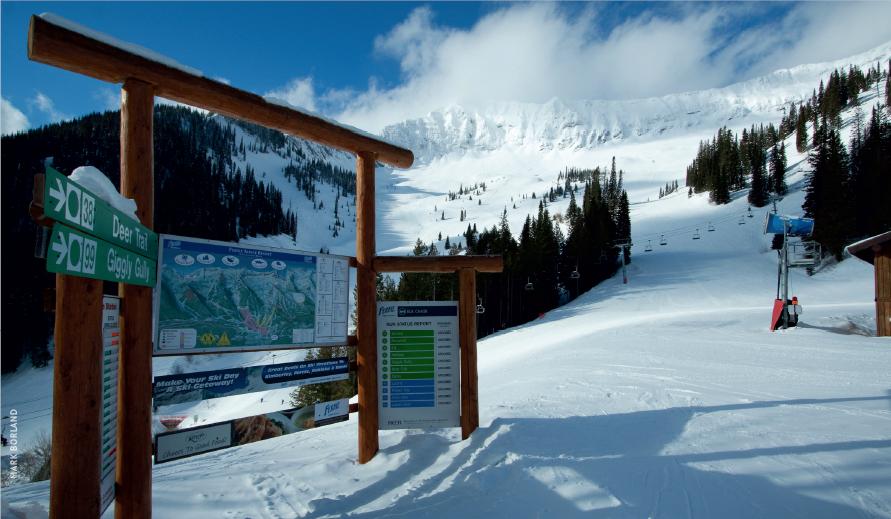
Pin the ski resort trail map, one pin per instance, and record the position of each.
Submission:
(215, 296)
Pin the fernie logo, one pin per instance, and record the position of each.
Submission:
(386, 310)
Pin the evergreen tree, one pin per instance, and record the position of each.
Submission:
(623, 226)
(826, 200)
(778, 169)
(759, 192)
(801, 132)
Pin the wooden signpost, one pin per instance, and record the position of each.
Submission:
(74, 487)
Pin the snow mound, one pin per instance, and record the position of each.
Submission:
(96, 181)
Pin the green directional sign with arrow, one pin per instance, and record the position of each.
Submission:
(78, 254)
(68, 202)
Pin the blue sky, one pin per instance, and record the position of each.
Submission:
(372, 64)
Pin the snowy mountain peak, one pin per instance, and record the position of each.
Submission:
(584, 124)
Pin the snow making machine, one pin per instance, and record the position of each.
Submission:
(801, 253)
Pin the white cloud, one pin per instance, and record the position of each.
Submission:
(109, 98)
(12, 120)
(413, 42)
(824, 31)
(535, 52)
(44, 104)
(298, 92)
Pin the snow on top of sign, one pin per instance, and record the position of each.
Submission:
(96, 181)
(282, 102)
(123, 45)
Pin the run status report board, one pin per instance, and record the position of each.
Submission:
(418, 364)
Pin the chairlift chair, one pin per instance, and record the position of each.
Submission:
(649, 247)
(742, 220)
(575, 274)
(711, 228)
(529, 286)
(750, 213)
(480, 309)
(696, 235)
(662, 240)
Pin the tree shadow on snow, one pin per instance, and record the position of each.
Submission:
(596, 466)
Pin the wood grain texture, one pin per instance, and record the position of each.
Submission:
(882, 265)
(134, 469)
(438, 263)
(470, 415)
(54, 45)
(366, 303)
(77, 398)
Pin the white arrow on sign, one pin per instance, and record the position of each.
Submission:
(61, 248)
(58, 194)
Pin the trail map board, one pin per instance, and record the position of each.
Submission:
(418, 368)
(216, 297)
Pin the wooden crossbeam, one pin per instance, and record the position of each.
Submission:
(71, 50)
(487, 264)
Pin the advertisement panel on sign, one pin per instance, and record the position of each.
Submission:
(204, 385)
(183, 443)
(217, 297)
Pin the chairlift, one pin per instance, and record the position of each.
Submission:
(711, 228)
(742, 220)
(649, 247)
(750, 213)
(575, 274)
(696, 234)
(602, 257)
(662, 240)
(529, 286)
(480, 309)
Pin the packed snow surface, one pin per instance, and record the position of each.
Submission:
(663, 397)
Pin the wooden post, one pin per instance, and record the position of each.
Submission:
(470, 414)
(366, 292)
(77, 398)
(882, 265)
(134, 470)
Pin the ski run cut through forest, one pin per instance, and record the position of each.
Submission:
(666, 396)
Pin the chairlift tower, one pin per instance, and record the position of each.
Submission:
(802, 254)
(624, 245)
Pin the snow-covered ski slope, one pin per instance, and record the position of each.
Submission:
(663, 397)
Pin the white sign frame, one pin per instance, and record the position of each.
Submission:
(407, 397)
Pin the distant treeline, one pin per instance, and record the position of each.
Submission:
(847, 188)
(538, 268)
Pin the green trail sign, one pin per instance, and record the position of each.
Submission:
(67, 202)
(77, 254)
